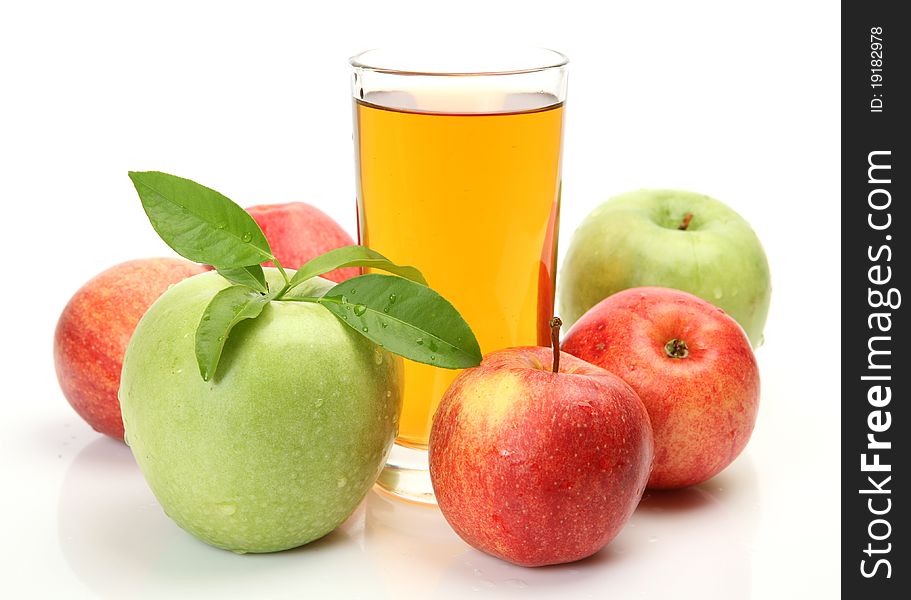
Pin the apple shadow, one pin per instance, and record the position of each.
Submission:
(732, 486)
(117, 540)
(682, 500)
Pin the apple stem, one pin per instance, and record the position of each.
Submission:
(555, 325)
(676, 349)
(686, 221)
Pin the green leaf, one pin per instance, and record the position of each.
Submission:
(199, 223)
(252, 277)
(406, 318)
(227, 308)
(353, 256)
(309, 290)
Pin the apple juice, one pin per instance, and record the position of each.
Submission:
(472, 200)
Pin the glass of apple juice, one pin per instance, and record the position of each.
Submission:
(457, 156)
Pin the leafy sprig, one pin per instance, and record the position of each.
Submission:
(398, 311)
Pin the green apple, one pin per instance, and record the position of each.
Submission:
(668, 238)
(281, 446)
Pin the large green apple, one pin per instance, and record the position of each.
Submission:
(281, 446)
(668, 238)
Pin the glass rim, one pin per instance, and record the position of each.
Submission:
(358, 62)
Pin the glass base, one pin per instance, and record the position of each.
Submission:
(407, 475)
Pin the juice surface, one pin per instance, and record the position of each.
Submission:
(472, 200)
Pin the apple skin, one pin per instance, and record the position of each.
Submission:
(298, 232)
(95, 327)
(633, 240)
(702, 407)
(534, 467)
(283, 444)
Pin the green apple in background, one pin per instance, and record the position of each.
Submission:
(283, 443)
(668, 238)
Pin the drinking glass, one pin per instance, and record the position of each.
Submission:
(458, 156)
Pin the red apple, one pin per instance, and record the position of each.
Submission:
(537, 467)
(298, 232)
(691, 364)
(95, 327)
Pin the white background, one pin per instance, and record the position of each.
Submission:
(252, 99)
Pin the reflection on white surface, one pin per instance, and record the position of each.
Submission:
(118, 542)
(694, 541)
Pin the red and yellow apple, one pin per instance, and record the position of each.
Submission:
(537, 467)
(298, 232)
(691, 364)
(95, 327)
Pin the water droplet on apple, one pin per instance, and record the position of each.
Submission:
(364, 329)
(206, 317)
(221, 338)
(359, 309)
(516, 583)
(342, 482)
(717, 293)
(221, 226)
(318, 403)
(353, 291)
(385, 310)
(226, 508)
(388, 393)
(378, 356)
(391, 298)
(246, 237)
(419, 341)
(432, 357)
(384, 324)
